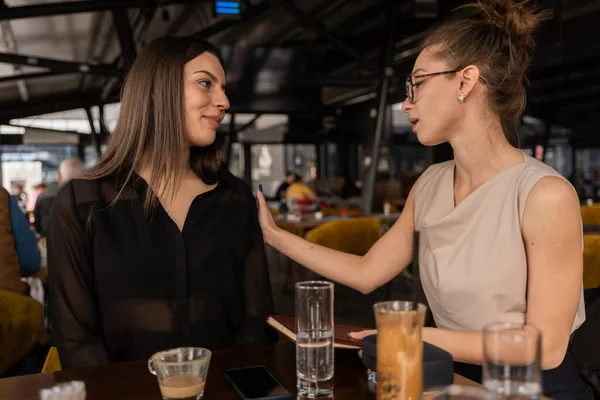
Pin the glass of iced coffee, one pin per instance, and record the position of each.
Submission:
(181, 372)
(399, 350)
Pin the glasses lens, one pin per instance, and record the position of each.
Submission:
(409, 93)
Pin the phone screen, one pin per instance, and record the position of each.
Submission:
(256, 382)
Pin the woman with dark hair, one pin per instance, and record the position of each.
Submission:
(156, 246)
(501, 233)
(348, 188)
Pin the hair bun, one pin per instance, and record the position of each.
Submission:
(519, 19)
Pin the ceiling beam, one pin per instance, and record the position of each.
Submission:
(580, 11)
(581, 64)
(572, 96)
(10, 43)
(403, 55)
(331, 82)
(184, 16)
(59, 65)
(97, 46)
(75, 7)
(33, 75)
(224, 24)
(125, 35)
(318, 12)
(357, 20)
(308, 21)
(11, 140)
(47, 104)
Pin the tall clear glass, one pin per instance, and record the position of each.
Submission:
(399, 350)
(314, 338)
(512, 360)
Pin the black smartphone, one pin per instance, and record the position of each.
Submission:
(257, 383)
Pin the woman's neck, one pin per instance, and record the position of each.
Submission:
(146, 173)
(481, 152)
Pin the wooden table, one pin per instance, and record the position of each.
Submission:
(132, 381)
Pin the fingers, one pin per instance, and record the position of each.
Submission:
(261, 199)
(362, 334)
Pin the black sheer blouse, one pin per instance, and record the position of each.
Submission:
(124, 286)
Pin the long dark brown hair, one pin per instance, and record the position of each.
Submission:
(151, 127)
(498, 37)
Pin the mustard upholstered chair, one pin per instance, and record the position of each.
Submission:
(590, 215)
(331, 211)
(21, 327)
(52, 363)
(354, 235)
(591, 261)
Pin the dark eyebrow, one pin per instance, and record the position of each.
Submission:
(210, 75)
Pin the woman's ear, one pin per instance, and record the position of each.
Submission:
(468, 77)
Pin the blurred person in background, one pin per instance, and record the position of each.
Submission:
(348, 188)
(35, 193)
(156, 246)
(68, 169)
(299, 190)
(19, 192)
(19, 254)
(290, 177)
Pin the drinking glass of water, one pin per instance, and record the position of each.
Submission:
(512, 360)
(314, 338)
(181, 372)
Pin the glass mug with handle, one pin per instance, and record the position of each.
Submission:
(181, 372)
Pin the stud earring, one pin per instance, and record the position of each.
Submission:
(462, 97)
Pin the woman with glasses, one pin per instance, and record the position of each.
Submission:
(501, 234)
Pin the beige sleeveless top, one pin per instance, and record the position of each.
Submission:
(472, 257)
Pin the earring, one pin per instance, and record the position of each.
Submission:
(462, 97)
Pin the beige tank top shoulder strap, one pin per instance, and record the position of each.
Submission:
(533, 172)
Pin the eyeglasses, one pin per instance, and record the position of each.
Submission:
(411, 85)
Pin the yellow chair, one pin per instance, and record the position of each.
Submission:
(355, 235)
(52, 363)
(331, 211)
(590, 215)
(591, 261)
(21, 327)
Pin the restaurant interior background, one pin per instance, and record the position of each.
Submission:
(315, 86)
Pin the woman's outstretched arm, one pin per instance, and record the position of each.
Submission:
(385, 260)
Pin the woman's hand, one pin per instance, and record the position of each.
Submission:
(267, 223)
(362, 334)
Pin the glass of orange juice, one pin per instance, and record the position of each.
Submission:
(399, 349)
